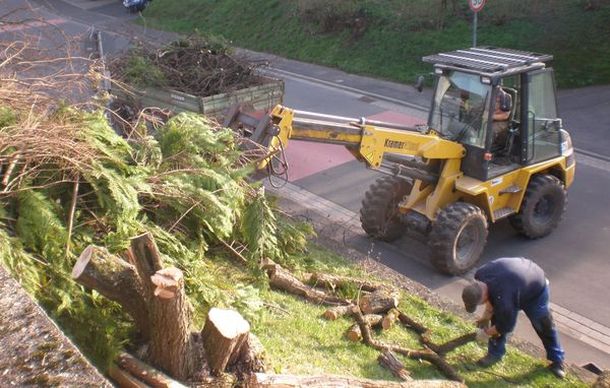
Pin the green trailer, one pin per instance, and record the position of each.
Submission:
(267, 93)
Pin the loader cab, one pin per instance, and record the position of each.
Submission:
(467, 87)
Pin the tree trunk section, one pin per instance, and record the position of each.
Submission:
(170, 315)
(378, 302)
(116, 279)
(153, 296)
(333, 281)
(223, 335)
(409, 322)
(124, 379)
(281, 279)
(334, 313)
(261, 380)
(354, 333)
(389, 360)
(145, 372)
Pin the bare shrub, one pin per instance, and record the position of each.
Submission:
(334, 16)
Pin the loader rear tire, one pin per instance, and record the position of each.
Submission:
(542, 208)
(379, 213)
(457, 238)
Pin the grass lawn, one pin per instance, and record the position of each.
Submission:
(398, 33)
(298, 340)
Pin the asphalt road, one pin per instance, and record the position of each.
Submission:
(574, 256)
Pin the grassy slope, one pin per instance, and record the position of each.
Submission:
(393, 45)
(298, 341)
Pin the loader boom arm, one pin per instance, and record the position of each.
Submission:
(370, 141)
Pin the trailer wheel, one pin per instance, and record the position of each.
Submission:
(543, 207)
(379, 213)
(457, 238)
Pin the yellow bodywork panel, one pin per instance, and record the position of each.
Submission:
(377, 141)
(507, 191)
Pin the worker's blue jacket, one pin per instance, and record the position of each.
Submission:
(512, 284)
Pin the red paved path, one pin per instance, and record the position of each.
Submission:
(308, 158)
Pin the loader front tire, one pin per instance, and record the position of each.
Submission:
(457, 238)
(379, 213)
(542, 208)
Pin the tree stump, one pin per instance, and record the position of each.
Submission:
(251, 358)
(379, 301)
(223, 335)
(152, 295)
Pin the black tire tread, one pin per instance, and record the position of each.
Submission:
(443, 234)
(537, 183)
(381, 193)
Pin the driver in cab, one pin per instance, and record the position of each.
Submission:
(500, 117)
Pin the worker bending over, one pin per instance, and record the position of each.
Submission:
(505, 286)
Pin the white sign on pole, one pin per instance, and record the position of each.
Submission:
(476, 5)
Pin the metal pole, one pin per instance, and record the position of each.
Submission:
(474, 29)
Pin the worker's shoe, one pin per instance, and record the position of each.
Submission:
(557, 369)
(488, 360)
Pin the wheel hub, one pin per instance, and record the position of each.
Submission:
(466, 243)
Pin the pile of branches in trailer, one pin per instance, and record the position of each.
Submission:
(193, 65)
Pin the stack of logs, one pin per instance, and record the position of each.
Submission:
(377, 307)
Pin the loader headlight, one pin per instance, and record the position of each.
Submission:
(567, 149)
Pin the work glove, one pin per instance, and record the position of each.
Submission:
(482, 336)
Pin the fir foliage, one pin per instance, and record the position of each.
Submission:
(186, 186)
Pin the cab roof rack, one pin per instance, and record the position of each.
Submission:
(488, 60)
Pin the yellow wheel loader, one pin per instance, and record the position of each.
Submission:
(452, 177)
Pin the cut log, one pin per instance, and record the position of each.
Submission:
(267, 264)
(170, 314)
(146, 373)
(389, 319)
(389, 360)
(223, 336)
(354, 333)
(334, 281)
(124, 379)
(378, 302)
(426, 354)
(334, 313)
(115, 279)
(146, 254)
(411, 323)
(283, 280)
(261, 380)
(448, 346)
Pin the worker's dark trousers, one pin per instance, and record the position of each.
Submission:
(539, 314)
